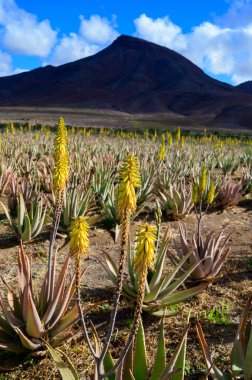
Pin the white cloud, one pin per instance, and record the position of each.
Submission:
(160, 30)
(98, 29)
(22, 33)
(216, 49)
(220, 47)
(5, 64)
(94, 34)
(222, 50)
(71, 48)
(19, 71)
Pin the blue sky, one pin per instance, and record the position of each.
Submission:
(214, 34)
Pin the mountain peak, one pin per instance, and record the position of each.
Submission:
(245, 87)
(130, 41)
(124, 38)
(131, 75)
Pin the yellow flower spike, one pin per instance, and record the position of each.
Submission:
(129, 179)
(79, 242)
(182, 142)
(161, 154)
(145, 249)
(60, 137)
(203, 180)
(195, 193)
(60, 157)
(211, 193)
(13, 129)
(154, 137)
(178, 134)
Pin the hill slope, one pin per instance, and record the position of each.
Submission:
(245, 87)
(131, 75)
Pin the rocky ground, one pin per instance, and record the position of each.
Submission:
(229, 294)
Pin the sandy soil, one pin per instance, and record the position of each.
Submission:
(90, 118)
(233, 289)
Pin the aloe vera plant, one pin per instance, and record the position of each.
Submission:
(109, 215)
(102, 184)
(16, 188)
(247, 178)
(230, 193)
(29, 320)
(160, 289)
(229, 164)
(134, 365)
(176, 201)
(204, 189)
(5, 178)
(44, 174)
(241, 355)
(145, 192)
(28, 225)
(209, 254)
(75, 203)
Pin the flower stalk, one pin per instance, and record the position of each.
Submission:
(144, 260)
(60, 178)
(79, 244)
(129, 179)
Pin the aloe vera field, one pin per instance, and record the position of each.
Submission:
(124, 254)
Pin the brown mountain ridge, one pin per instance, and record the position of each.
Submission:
(135, 76)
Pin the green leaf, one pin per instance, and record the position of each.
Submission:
(159, 364)
(237, 359)
(159, 264)
(6, 213)
(247, 371)
(128, 363)
(170, 287)
(108, 364)
(180, 295)
(140, 362)
(154, 292)
(67, 370)
(241, 356)
(170, 369)
(179, 367)
(26, 235)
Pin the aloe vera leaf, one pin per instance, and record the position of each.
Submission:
(140, 361)
(160, 359)
(67, 370)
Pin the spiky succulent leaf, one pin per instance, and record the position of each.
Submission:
(160, 358)
(67, 370)
(140, 360)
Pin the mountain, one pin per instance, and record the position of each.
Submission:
(245, 87)
(135, 76)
